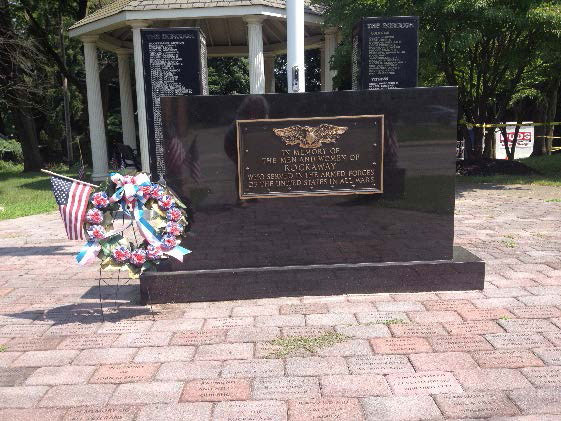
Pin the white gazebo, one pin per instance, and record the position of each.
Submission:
(257, 29)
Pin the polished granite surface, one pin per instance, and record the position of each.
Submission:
(413, 220)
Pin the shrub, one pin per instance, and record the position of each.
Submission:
(10, 150)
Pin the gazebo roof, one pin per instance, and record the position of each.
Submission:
(119, 6)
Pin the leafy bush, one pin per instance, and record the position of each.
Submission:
(10, 150)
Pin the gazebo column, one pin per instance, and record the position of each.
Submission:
(140, 99)
(329, 51)
(270, 73)
(125, 88)
(95, 110)
(256, 59)
(295, 43)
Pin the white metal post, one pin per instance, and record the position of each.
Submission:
(295, 46)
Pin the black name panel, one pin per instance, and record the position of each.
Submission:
(385, 53)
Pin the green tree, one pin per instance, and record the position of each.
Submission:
(228, 75)
(486, 48)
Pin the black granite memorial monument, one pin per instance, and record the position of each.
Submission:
(289, 195)
(175, 64)
(385, 53)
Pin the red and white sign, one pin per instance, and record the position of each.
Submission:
(524, 144)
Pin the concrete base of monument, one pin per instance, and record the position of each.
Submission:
(464, 272)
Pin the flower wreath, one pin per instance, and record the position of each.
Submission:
(153, 209)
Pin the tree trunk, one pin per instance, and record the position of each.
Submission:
(551, 111)
(490, 151)
(27, 135)
(540, 131)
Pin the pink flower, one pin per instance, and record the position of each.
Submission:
(174, 214)
(94, 216)
(174, 228)
(138, 257)
(121, 254)
(156, 191)
(153, 252)
(128, 179)
(168, 242)
(96, 232)
(166, 202)
(100, 200)
(146, 191)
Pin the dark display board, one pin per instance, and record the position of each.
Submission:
(174, 63)
(310, 157)
(385, 53)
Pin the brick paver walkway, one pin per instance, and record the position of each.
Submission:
(457, 355)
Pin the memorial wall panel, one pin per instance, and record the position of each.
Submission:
(406, 215)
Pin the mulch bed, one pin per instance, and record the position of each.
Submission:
(487, 167)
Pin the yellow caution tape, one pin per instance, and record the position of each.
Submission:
(484, 125)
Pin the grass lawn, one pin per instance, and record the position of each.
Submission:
(23, 194)
(549, 168)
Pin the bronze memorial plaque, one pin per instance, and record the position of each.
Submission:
(317, 156)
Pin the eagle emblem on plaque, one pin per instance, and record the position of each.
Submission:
(310, 137)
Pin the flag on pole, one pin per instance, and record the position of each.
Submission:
(72, 198)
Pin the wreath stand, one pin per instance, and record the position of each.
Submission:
(101, 279)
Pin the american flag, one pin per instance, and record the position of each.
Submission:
(193, 162)
(81, 171)
(72, 199)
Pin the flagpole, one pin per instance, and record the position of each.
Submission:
(68, 178)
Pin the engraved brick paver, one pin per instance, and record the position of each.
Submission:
(107, 413)
(473, 327)
(448, 305)
(506, 358)
(215, 390)
(379, 364)
(33, 344)
(430, 382)
(251, 411)
(528, 325)
(459, 343)
(285, 388)
(413, 329)
(544, 376)
(401, 408)
(403, 345)
(484, 314)
(517, 340)
(317, 308)
(87, 342)
(336, 409)
(476, 405)
(536, 312)
(199, 337)
(189, 370)
(124, 373)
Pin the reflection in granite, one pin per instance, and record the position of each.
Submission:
(227, 233)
